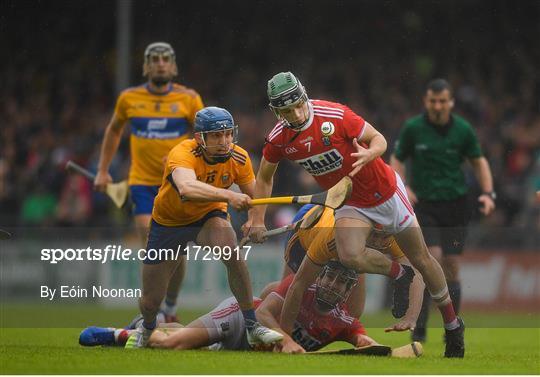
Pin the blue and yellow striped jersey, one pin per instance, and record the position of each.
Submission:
(158, 122)
(170, 210)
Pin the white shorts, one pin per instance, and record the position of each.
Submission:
(392, 216)
(226, 328)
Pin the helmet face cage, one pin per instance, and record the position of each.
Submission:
(159, 49)
(330, 295)
(286, 91)
(219, 157)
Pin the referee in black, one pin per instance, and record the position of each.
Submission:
(437, 142)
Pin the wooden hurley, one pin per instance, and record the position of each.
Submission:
(407, 351)
(334, 198)
(118, 192)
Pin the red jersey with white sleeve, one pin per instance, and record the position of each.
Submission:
(313, 330)
(323, 148)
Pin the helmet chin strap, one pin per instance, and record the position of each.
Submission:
(220, 158)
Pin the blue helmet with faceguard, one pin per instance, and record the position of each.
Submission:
(214, 119)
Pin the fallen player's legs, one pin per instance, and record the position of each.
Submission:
(193, 336)
(218, 231)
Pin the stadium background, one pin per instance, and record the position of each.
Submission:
(62, 70)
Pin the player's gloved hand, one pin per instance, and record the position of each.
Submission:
(290, 346)
(403, 325)
(239, 201)
(102, 180)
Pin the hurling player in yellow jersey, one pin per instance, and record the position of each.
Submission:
(309, 249)
(192, 206)
(160, 114)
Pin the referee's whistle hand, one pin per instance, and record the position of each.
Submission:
(488, 205)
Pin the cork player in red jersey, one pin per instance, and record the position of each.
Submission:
(330, 141)
(324, 318)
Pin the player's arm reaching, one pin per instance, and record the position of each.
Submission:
(111, 141)
(304, 277)
(355, 334)
(268, 314)
(191, 189)
(263, 189)
(376, 147)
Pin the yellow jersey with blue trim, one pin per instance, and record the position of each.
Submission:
(320, 244)
(171, 210)
(158, 122)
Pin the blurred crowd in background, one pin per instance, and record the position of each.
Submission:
(58, 92)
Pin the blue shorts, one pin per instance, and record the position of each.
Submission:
(175, 237)
(294, 252)
(142, 197)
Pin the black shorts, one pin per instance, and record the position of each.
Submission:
(444, 223)
(174, 237)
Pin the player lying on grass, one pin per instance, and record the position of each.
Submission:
(324, 318)
(317, 242)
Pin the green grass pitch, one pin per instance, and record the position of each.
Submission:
(48, 345)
